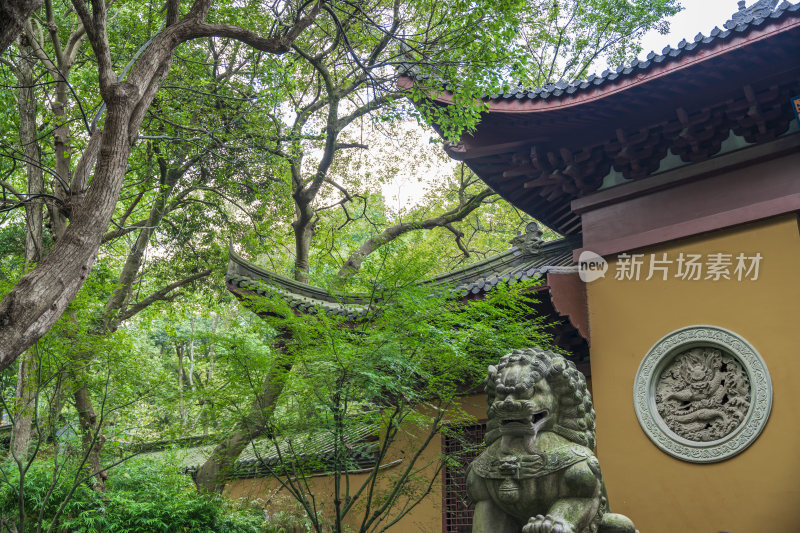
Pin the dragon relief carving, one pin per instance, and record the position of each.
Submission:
(703, 394)
(538, 473)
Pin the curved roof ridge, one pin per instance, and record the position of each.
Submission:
(291, 285)
(514, 257)
(514, 265)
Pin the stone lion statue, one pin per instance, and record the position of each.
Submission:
(538, 473)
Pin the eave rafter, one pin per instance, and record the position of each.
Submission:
(542, 175)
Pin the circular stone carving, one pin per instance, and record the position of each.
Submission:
(702, 394)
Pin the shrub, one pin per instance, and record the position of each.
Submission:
(142, 495)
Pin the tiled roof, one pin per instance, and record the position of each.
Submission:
(530, 257)
(300, 296)
(745, 20)
(515, 265)
(312, 452)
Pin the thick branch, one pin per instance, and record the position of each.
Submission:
(169, 179)
(13, 14)
(213, 474)
(372, 105)
(162, 294)
(273, 45)
(119, 232)
(354, 262)
(95, 25)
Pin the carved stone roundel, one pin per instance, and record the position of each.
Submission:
(702, 394)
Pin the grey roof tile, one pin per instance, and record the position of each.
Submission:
(509, 267)
(262, 456)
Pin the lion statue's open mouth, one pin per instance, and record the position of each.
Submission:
(527, 421)
(520, 417)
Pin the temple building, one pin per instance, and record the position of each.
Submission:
(675, 183)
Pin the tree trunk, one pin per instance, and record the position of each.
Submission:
(56, 418)
(38, 300)
(61, 145)
(40, 297)
(190, 375)
(91, 434)
(303, 233)
(212, 475)
(13, 14)
(214, 325)
(27, 373)
(25, 405)
(181, 410)
(26, 105)
(207, 401)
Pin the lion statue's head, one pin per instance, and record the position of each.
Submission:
(535, 390)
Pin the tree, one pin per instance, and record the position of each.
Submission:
(345, 68)
(41, 296)
(183, 183)
(169, 177)
(116, 135)
(332, 80)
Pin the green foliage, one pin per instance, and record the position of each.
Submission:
(39, 495)
(564, 39)
(400, 367)
(144, 495)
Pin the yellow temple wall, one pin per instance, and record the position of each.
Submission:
(756, 491)
(424, 518)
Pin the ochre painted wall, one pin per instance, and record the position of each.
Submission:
(757, 491)
(426, 517)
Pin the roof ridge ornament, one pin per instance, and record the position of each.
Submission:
(745, 15)
(530, 241)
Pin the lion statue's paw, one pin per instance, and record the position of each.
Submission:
(616, 523)
(547, 524)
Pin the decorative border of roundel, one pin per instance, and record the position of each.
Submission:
(662, 353)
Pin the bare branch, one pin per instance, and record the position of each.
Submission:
(345, 146)
(119, 232)
(274, 45)
(353, 263)
(372, 105)
(459, 235)
(162, 294)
